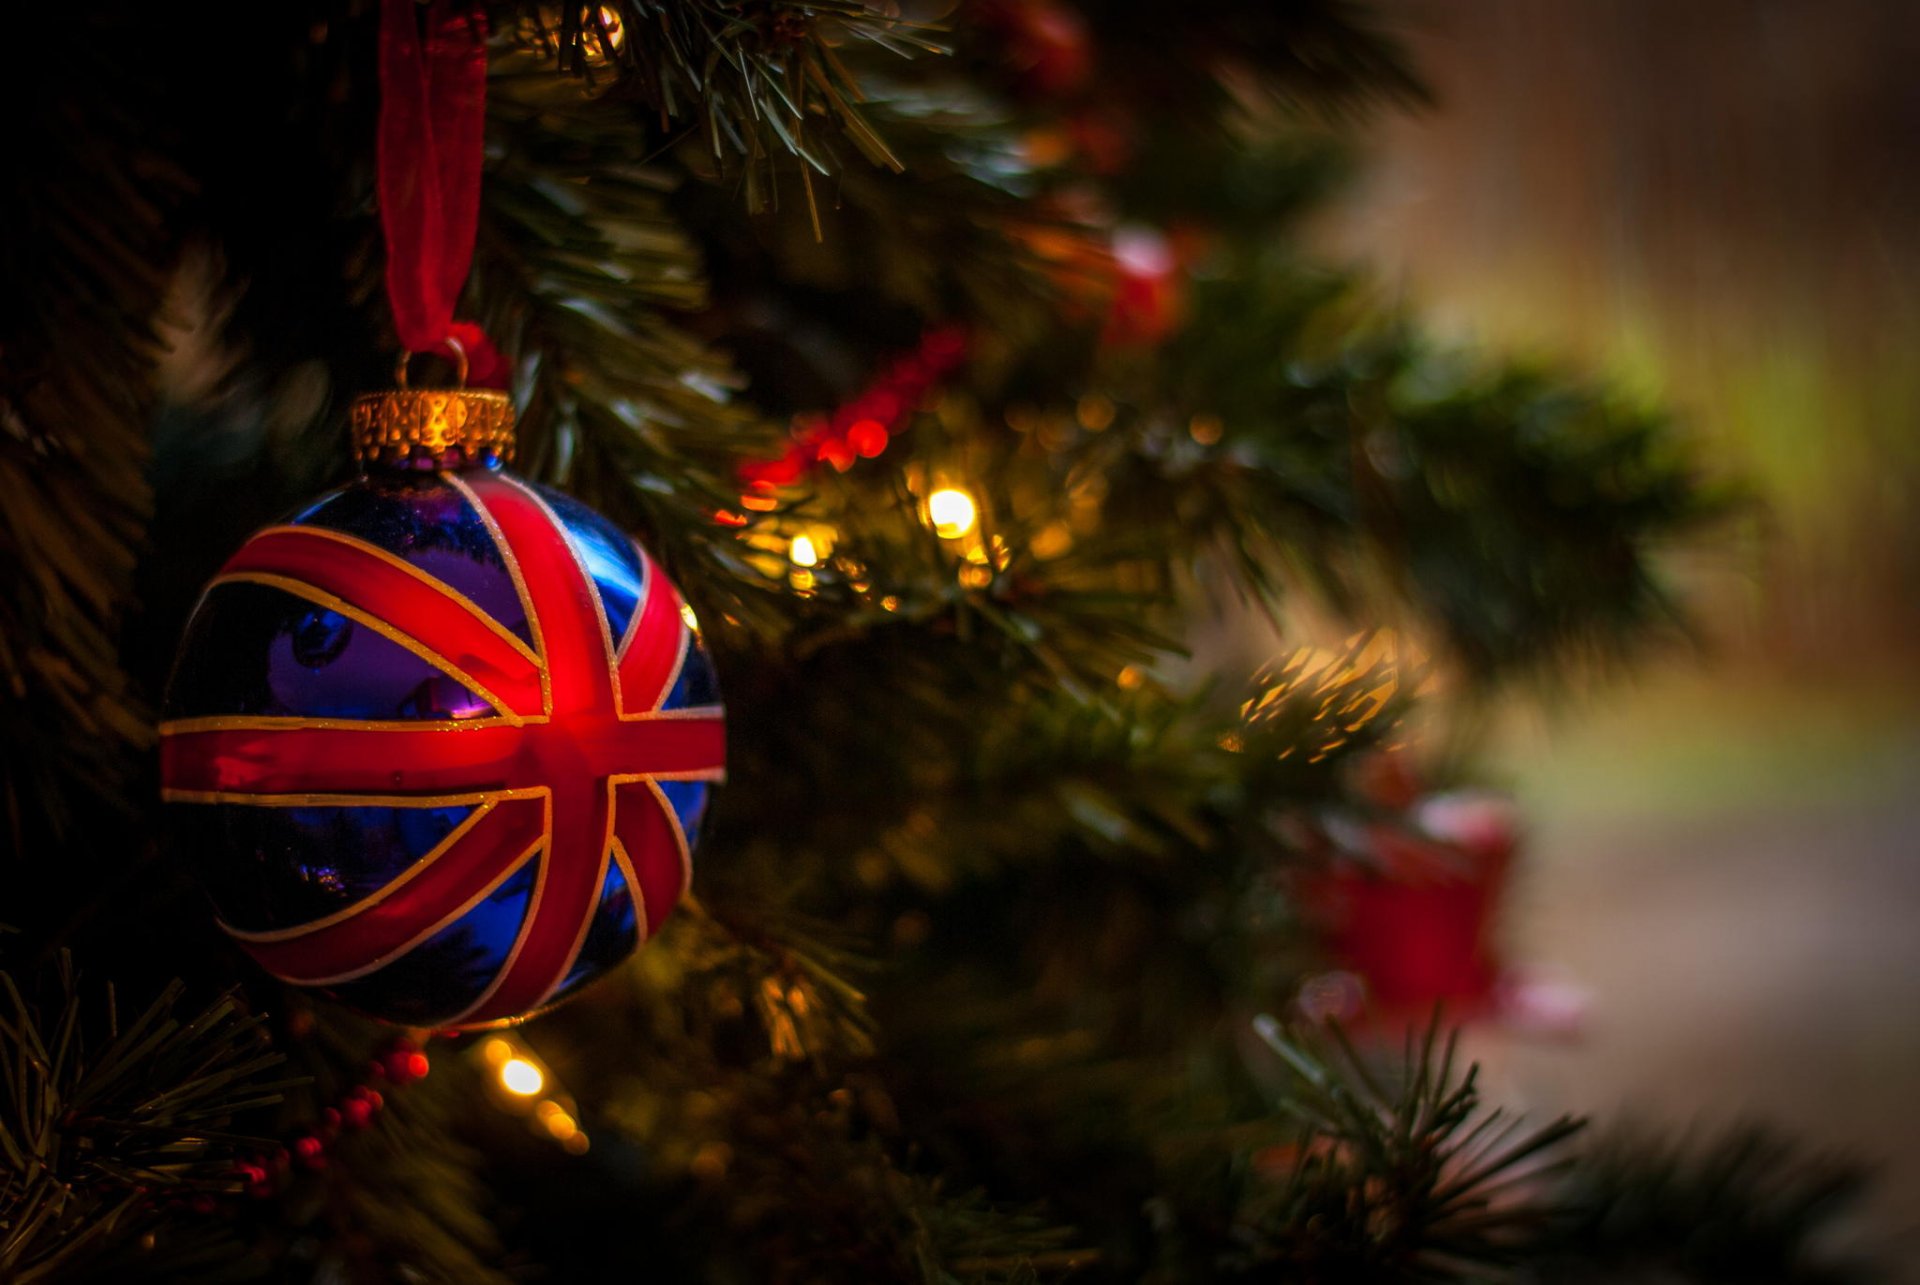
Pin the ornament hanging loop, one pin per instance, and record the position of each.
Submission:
(451, 344)
(428, 429)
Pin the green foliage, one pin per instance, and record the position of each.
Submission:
(1513, 518)
(1746, 1205)
(1000, 889)
(103, 1125)
(83, 253)
(757, 81)
(577, 282)
(403, 1199)
(1401, 1178)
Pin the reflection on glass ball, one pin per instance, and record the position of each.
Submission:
(320, 636)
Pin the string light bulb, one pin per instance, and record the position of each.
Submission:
(952, 512)
(521, 1077)
(801, 552)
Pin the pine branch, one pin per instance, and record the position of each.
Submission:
(103, 1123)
(1519, 516)
(1748, 1205)
(404, 1198)
(967, 1238)
(758, 81)
(797, 977)
(579, 282)
(1399, 1175)
(858, 259)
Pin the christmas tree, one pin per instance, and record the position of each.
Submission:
(969, 370)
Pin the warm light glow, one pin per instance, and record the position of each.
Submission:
(497, 1050)
(522, 1077)
(802, 553)
(952, 511)
(686, 614)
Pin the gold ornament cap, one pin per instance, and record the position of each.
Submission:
(427, 429)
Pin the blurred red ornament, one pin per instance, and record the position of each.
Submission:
(1047, 44)
(1105, 140)
(1149, 290)
(1477, 821)
(1413, 918)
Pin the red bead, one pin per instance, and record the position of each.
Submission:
(836, 452)
(254, 1180)
(311, 1152)
(867, 438)
(405, 1063)
(356, 1113)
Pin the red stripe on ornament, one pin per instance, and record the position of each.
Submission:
(656, 645)
(285, 757)
(398, 599)
(437, 890)
(656, 848)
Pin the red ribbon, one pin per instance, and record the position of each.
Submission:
(433, 109)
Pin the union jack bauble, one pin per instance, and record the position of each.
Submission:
(441, 744)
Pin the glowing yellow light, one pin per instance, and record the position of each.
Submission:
(686, 614)
(952, 511)
(520, 1076)
(497, 1050)
(802, 553)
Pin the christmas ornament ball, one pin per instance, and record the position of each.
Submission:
(440, 743)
